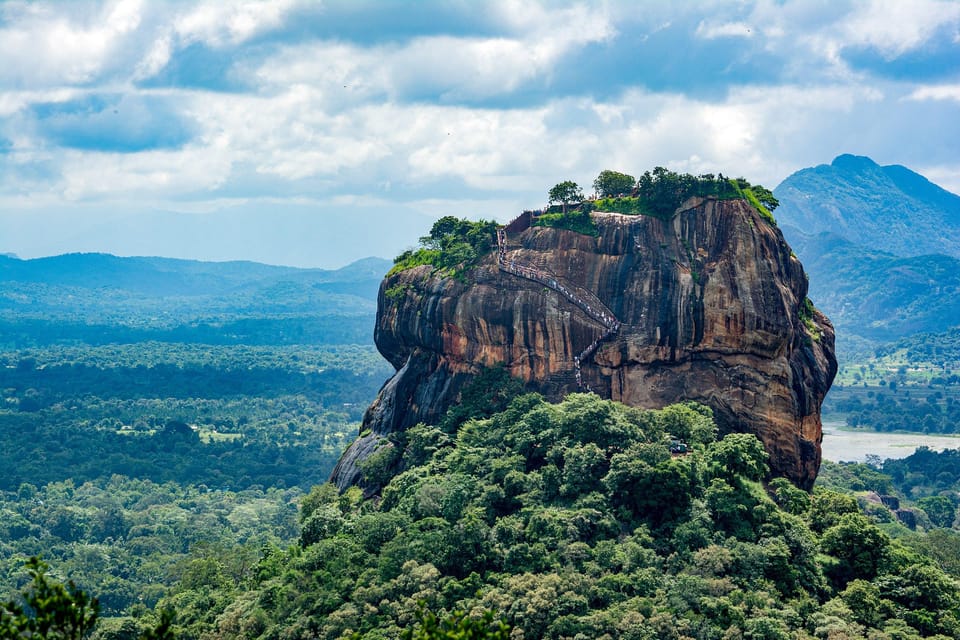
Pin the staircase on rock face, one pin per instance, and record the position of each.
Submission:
(584, 300)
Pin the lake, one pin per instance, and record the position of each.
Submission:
(843, 445)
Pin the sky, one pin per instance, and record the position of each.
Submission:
(314, 133)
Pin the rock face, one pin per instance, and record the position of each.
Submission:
(709, 306)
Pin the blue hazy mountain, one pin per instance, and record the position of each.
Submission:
(881, 246)
(889, 208)
(297, 235)
(101, 298)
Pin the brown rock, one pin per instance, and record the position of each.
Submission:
(709, 305)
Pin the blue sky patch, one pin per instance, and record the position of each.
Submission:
(112, 122)
(937, 60)
(370, 22)
(198, 66)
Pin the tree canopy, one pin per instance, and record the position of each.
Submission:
(453, 244)
(611, 184)
(574, 520)
(565, 193)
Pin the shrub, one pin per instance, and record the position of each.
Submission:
(454, 245)
(578, 221)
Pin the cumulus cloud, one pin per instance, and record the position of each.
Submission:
(937, 92)
(894, 27)
(191, 106)
(41, 45)
(230, 22)
(445, 68)
(149, 174)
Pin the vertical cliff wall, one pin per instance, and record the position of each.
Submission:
(709, 306)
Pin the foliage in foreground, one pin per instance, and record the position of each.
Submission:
(573, 520)
(49, 610)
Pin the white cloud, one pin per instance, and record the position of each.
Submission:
(812, 37)
(231, 22)
(451, 68)
(936, 92)
(152, 173)
(894, 27)
(155, 59)
(724, 30)
(296, 145)
(41, 47)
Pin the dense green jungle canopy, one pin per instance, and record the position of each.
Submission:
(574, 520)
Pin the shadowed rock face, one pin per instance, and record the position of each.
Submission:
(709, 305)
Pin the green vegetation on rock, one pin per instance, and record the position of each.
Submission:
(658, 193)
(806, 316)
(453, 246)
(578, 220)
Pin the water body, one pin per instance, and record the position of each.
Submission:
(843, 445)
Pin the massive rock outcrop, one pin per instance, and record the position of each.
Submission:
(709, 306)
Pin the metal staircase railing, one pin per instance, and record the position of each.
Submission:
(587, 303)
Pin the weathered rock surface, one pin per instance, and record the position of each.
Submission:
(709, 305)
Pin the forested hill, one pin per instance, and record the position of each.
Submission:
(574, 520)
(881, 246)
(99, 298)
(876, 295)
(887, 208)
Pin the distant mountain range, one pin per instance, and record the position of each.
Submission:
(877, 295)
(170, 276)
(881, 246)
(303, 235)
(95, 297)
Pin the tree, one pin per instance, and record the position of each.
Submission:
(788, 497)
(858, 544)
(49, 610)
(660, 190)
(456, 626)
(738, 454)
(765, 196)
(610, 184)
(690, 422)
(940, 509)
(565, 192)
(826, 508)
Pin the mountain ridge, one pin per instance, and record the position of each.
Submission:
(876, 285)
(888, 208)
(99, 298)
(97, 269)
